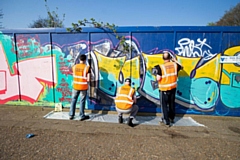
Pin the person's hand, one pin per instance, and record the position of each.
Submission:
(158, 78)
(174, 59)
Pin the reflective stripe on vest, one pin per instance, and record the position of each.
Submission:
(169, 76)
(80, 77)
(167, 85)
(124, 95)
(124, 99)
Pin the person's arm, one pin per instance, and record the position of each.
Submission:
(134, 98)
(70, 68)
(179, 66)
(89, 74)
(159, 73)
(88, 77)
(77, 58)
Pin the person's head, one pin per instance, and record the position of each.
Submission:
(83, 57)
(128, 81)
(166, 56)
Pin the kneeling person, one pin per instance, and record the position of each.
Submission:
(126, 102)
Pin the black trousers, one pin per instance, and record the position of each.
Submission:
(167, 100)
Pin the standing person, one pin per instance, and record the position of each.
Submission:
(126, 102)
(81, 77)
(167, 83)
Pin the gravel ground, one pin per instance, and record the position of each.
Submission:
(65, 139)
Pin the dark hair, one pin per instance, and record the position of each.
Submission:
(83, 57)
(128, 80)
(168, 57)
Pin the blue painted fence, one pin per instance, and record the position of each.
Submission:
(34, 67)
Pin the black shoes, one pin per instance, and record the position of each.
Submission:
(130, 122)
(120, 119)
(171, 120)
(84, 118)
(162, 121)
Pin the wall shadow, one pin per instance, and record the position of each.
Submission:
(183, 91)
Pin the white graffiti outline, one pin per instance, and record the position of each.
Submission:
(188, 48)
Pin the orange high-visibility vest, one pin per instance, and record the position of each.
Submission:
(168, 79)
(80, 72)
(124, 98)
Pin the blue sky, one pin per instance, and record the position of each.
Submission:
(20, 13)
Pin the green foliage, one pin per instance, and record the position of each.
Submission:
(211, 24)
(77, 27)
(230, 18)
(53, 18)
(52, 21)
(39, 23)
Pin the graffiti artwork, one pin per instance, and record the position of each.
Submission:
(36, 71)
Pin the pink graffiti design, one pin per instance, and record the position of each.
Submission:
(31, 74)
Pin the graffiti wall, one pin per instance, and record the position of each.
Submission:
(35, 67)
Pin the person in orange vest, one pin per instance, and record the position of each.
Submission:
(126, 102)
(167, 74)
(81, 77)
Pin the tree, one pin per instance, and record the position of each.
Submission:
(77, 27)
(211, 24)
(230, 18)
(52, 21)
(40, 23)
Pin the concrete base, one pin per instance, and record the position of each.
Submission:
(113, 118)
